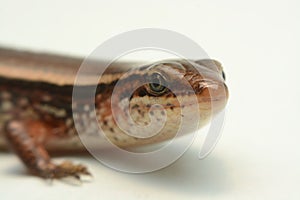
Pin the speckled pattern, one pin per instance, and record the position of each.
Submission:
(41, 110)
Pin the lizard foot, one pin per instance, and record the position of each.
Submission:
(67, 169)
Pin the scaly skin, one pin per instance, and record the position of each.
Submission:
(36, 104)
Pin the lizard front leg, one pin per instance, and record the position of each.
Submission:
(26, 139)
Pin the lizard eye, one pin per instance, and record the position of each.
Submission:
(157, 84)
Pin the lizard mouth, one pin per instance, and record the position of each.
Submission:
(212, 96)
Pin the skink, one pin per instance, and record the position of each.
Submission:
(36, 103)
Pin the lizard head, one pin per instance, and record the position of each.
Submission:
(170, 91)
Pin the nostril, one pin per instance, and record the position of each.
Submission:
(223, 75)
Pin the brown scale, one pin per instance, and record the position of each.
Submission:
(27, 134)
(40, 92)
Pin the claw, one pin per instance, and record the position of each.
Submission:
(67, 170)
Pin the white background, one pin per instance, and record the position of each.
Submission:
(258, 155)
